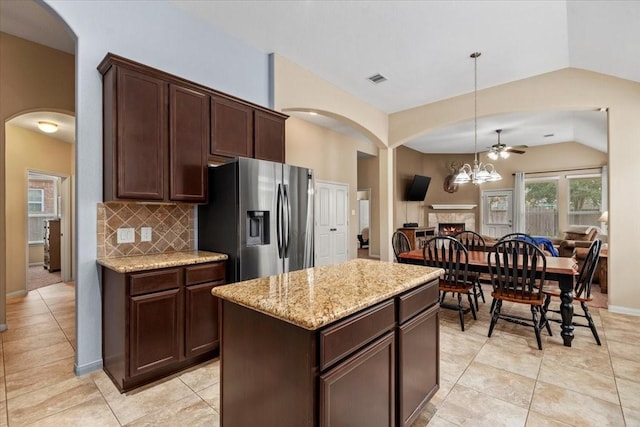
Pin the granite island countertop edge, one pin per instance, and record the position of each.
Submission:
(136, 263)
(302, 298)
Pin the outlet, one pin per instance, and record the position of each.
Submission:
(126, 235)
(145, 234)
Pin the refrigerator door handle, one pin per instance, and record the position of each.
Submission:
(279, 213)
(287, 232)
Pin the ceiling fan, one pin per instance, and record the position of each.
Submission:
(500, 150)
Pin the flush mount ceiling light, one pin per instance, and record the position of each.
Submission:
(479, 173)
(47, 127)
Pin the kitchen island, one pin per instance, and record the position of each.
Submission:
(353, 344)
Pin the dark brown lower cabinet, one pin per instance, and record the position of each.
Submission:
(419, 364)
(358, 371)
(361, 390)
(158, 322)
(156, 327)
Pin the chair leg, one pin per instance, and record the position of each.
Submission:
(592, 325)
(536, 325)
(480, 288)
(496, 314)
(493, 305)
(544, 321)
(473, 309)
(461, 311)
(475, 295)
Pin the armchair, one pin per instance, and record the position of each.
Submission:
(576, 236)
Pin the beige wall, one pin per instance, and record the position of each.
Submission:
(567, 89)
(26, 150)
(32, 77)
(332, 156)
(368, 178)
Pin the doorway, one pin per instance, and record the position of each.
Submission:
(364, 222)
(48, 229)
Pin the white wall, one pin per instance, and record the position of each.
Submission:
(163, 36)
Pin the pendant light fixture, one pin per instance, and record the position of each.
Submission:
(479, 173)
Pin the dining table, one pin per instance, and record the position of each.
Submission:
(560, 269)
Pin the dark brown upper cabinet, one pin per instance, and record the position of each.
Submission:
(231, 128)
(188, 141)
(135, 135)
(269, 136)
(156, 134)
(242, 130)
(160, 131)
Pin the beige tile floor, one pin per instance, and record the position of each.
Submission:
(499, 381)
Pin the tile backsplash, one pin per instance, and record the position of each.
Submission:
(173, 228)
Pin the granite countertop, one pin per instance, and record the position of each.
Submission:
(315, 297)
(150, 262)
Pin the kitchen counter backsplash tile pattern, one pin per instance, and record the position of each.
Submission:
(172, 228)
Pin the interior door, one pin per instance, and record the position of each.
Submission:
(332, 227)
(497, 212)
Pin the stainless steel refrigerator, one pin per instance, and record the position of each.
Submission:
(260, 213)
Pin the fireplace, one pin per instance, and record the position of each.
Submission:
(450, 228)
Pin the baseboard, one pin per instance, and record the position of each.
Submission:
(15, 294)
(36, 264)
(623, 310)
(89, 367)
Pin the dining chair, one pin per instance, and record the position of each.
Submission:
(581, 290)
(517, 236)
(473, 242)
(400, 243)
(449, 254)
(518, 271)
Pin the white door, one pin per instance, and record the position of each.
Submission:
(332, 227)
(497, 212)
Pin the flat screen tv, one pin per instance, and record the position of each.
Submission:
(418, 188)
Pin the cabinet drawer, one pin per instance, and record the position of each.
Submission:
(143, 283)
(345, 337)
(415, 301)
(205, 273)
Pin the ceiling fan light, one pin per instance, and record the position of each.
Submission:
(47, 127)
(492, 155)
(504, 154)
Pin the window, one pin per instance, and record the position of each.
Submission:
(36, 200)
(585, 199)
(42, 196)
(541, 206)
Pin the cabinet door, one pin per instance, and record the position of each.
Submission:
(155, 330)
(269, 137)
(361, 390)
(231, 128)
(141, 139)
(419, 364)
(188, 142)
(201, 328)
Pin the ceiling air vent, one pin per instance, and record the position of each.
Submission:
(377, 78)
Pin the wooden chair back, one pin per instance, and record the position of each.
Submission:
(471, 240)
(585, 276)
(517, 270)
(400, 243)
(449, 254)
(517, 236)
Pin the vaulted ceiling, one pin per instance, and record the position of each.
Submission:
(422, 48)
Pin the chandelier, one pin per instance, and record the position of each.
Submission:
(478, 173)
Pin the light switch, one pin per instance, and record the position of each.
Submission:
(126, 235)
(145, 234)
(353, 212)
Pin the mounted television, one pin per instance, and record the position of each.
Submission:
(418, 188)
